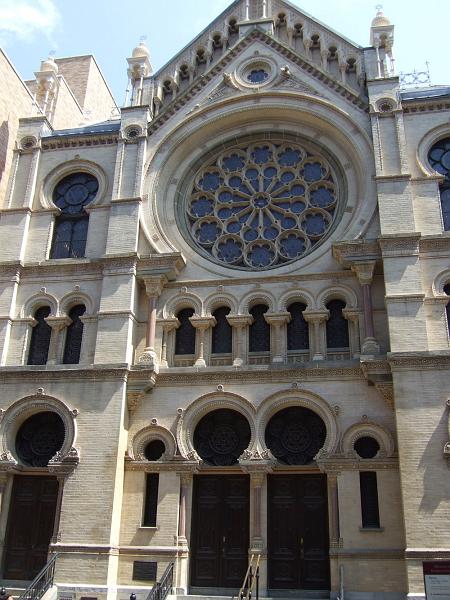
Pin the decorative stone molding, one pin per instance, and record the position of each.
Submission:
(364, 271)
(136, 448)
(183, 299)
(369, 429)
(218, 299)
(41, 298)
(399, 244)
(257, 297)
(64, 464)
(349, 253)
(294, 295)
(341, 292)
(339, 463)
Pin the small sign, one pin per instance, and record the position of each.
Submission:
(437, 579)
(144, 570)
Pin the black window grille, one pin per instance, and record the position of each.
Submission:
(40, 338)
(185, 334)
(297, 328)
(259, 331)
(369, 500)
(72, 195)
(151, 500)
(39, 438)
(337, 326)
(74, 336)
(439, 157)
(222, 335)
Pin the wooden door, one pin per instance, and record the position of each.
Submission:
(220, 531)
(298, 546)
(30, 525)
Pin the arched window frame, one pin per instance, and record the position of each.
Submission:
(259, 350)
(435, 154)
(73, 342)
(184, 359)
(40, 339)
(300, 353)
(344, 333)
(222, 328)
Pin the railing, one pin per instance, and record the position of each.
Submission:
(261, 358)
(42, 582)
(251, 580)
(163, 587)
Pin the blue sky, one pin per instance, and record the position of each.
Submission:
(109, 29)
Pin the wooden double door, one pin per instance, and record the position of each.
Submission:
(298, 543)
(220, 531)
(30, 525)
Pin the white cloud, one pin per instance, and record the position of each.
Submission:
(24, 19)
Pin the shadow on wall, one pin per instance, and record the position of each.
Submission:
(4, 137)
(434, 465)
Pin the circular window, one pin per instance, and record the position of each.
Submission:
(39, 438)
(367, 447)
(261, 205)
(154, 450)
(295, 435)
(221, 437)
(74, 192)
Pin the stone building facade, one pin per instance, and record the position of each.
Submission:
(224, 318)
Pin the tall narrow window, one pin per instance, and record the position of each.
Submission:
(297, 328)
(337, 326)
(40, 338)
(151, 500)
(447, 308)
(222, 338)
(369, 500)
(259, 331)
(74, 336)
(72, 195)
(185, 334)
(439, 157)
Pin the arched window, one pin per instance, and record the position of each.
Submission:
(40, 338)
(185, 334)
(72, 195)
(259, 332)
(337, 326)
(447, 308)
(297, 328)
(74, 336)
(439, 157)
(222, 338)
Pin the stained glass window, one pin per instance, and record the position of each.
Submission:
(185, 334)
(222, 335)
(262, 205)
(221, 437)
(297, 328)
(439, 157)
(259, 330)
(72, 195)
(74, 336)
(40, 338)
(39, 438)
(337, 326)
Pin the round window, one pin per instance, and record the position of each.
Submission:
(367, 447)
(261, 205)
(154, 450)
(39, 438)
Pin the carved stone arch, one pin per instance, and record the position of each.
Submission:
(426, 143)
(183, 300)
(257, 297)
(199, 408)
(440, 281)
(292, 296)
(152, 432)
(219, 299)
(71, 299)
(26, 407)
(302, 398)
(67, 168)
(37, 301)
(338, 292)
(368, 429)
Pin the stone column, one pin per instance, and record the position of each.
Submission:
(55, 351)
(153, 289)
(168, 325)
(352, 317)
(364, 272)
(239, 323)
(333, 508)
(201, 324)
(276, 322)
(88, 339)
(183, 552)
(316, 318)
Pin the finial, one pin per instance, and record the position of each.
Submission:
(143, 39)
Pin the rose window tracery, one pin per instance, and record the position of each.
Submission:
(262, 205)
(39, 438)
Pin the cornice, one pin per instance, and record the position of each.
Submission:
(63, 373)
(348, 253)
(368, 553)
(435, 243)
(78, 141)
(427, 553)
(423, 361)
(413, 106)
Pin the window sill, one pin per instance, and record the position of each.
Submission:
(371, 529)
(149, 527)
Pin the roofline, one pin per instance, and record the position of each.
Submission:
(13, 68)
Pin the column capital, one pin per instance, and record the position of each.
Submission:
(277, 318)
(58, 323)
(239, 321)
(316, 316)
(154, 284)
(364, 271)
(169, 324)
(351, 314)
(202, 322)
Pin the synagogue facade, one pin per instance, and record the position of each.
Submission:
(224, 321)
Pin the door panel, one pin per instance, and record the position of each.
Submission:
(30, 525)
(220, 534)
(298, 532)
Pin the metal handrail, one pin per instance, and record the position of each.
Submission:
(163, 587)
(251, 579)
(42, 582)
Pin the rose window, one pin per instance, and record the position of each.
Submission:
(262, 205)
